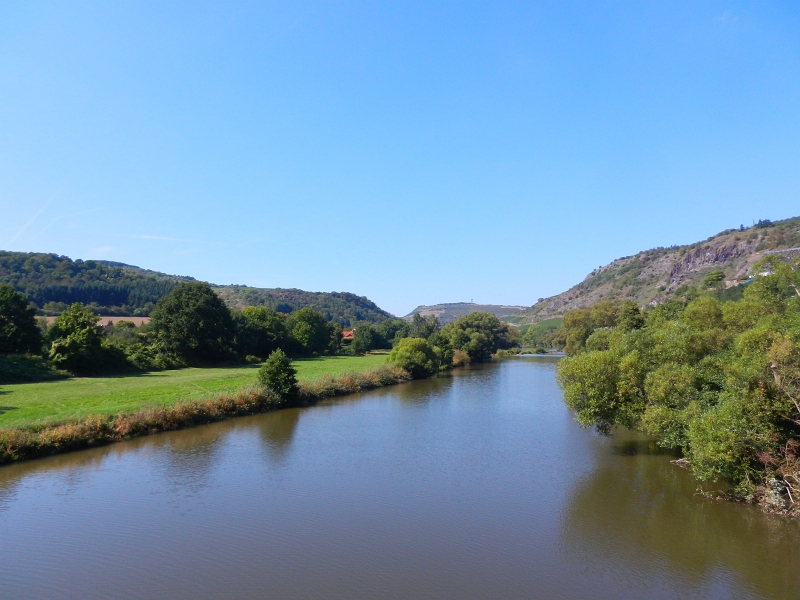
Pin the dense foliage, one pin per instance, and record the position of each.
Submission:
(343, 308)
(77, 345)
(718, 381)
(278, 375)
(479, 335)
(49, 280)
(18, 331)
(416, 356)
(194, 324)
(53, 282)
(544, 335)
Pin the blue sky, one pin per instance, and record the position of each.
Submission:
(413, 153)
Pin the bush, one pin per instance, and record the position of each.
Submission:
(17, 368)
(416, 356)
(278, 374)
(78, 345)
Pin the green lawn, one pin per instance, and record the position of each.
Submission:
(25, 404)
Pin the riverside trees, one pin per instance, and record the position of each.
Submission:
(191, 326)
(719, 382)
(477, 336)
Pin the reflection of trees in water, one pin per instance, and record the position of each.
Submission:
(71, 469)
(276, 430)
(188, 457)
(422, 391)
(637, 508)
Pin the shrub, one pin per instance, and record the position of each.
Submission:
(278, 374)
(78, 345)
(416, 356)
(17, 368)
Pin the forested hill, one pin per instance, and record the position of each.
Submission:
(342, 307)
(52, 282)
(448, 312)
(652, 276)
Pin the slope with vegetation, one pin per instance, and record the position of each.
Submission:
(53, 282)
(654, 276)
(448, 312)
(341, 307)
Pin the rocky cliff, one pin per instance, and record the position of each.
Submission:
(652, 276)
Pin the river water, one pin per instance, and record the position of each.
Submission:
(474, 485)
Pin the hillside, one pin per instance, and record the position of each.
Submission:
(343, 307)
(652, 276)
(448, 312)
(52, 282)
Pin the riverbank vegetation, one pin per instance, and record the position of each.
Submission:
(93, 430)
(717, 381)
(192, 327)
(29, 404)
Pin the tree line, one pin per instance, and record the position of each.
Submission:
(192, 326)
(53, 283)
(717, 381)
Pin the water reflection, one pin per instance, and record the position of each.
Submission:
(477, 484)
(636, 508)
(276, 431)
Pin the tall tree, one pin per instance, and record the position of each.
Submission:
(259, 331)
(193, 323)
(19, 333)
(77, 344)
(310, 331)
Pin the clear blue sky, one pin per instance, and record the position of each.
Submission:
(414, 153)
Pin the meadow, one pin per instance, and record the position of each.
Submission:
(34, 404)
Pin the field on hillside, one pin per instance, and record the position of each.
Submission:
(28, 404)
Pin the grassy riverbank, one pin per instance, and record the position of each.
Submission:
(18, 443)
(35, 404)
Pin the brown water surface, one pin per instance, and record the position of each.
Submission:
(475, 485)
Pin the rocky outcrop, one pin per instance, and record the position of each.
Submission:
(653, 276)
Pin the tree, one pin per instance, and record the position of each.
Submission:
(416, 356)
(392, 330)
(579, 324)
(442, 349)
(194, 324)
(479, 334)
(310, 331)
(365, 338)
(278, 374)
(718, 381)
(714, 279)
(77, 343)
(259, 331)
(19, 333)
(423, 327)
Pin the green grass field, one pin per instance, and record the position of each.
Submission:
(26, 404)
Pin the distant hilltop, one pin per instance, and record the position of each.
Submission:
(653, 276)
(448, 312)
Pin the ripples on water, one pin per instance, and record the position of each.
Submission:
(475, 485)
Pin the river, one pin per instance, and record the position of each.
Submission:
(473, 485)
